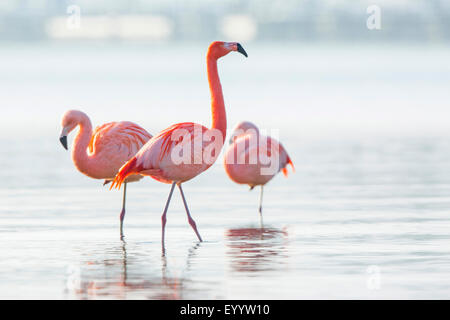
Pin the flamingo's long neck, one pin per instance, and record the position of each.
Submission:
(219, 118)
(80, 155)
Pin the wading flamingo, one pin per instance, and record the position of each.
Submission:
(254, 159)
(199, 146)
(101, 153)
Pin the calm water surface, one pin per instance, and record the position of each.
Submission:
(349, 208)
(364, 216)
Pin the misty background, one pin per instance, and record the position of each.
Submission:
(315, 67)
(363, 113)
(257, 20)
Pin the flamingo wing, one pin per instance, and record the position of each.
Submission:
(125, 137)
(284, 157)
(171, 136)
(264, 148)
(157, 151)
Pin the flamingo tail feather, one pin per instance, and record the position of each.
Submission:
(292, 165)
(127, 169)
(284, 170)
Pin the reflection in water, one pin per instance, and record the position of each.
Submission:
(256, 249)
(111, 278)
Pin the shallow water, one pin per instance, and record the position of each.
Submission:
(351, 209)
(363, 216)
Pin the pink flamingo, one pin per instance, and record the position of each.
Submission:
(158, 157)
(101, 153)
(250, 155)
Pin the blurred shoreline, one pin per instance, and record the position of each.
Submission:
(259, 20)
(300, 89)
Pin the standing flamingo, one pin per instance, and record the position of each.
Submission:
(159, 157)
(101, 153)
(249, 156)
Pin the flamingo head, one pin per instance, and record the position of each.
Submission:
(71, 119)
(243, 128)
(218, 49)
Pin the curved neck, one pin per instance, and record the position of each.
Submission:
(219, 118)
(80, 154)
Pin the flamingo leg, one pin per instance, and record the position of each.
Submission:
(260, 205)
(191, 221)
(260, 201)
(122, 213)
(163, 217)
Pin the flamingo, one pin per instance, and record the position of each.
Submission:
(198, 145)
(101, 153)
(249, 153)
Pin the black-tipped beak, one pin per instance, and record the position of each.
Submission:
(241, 50)
(63, 141)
